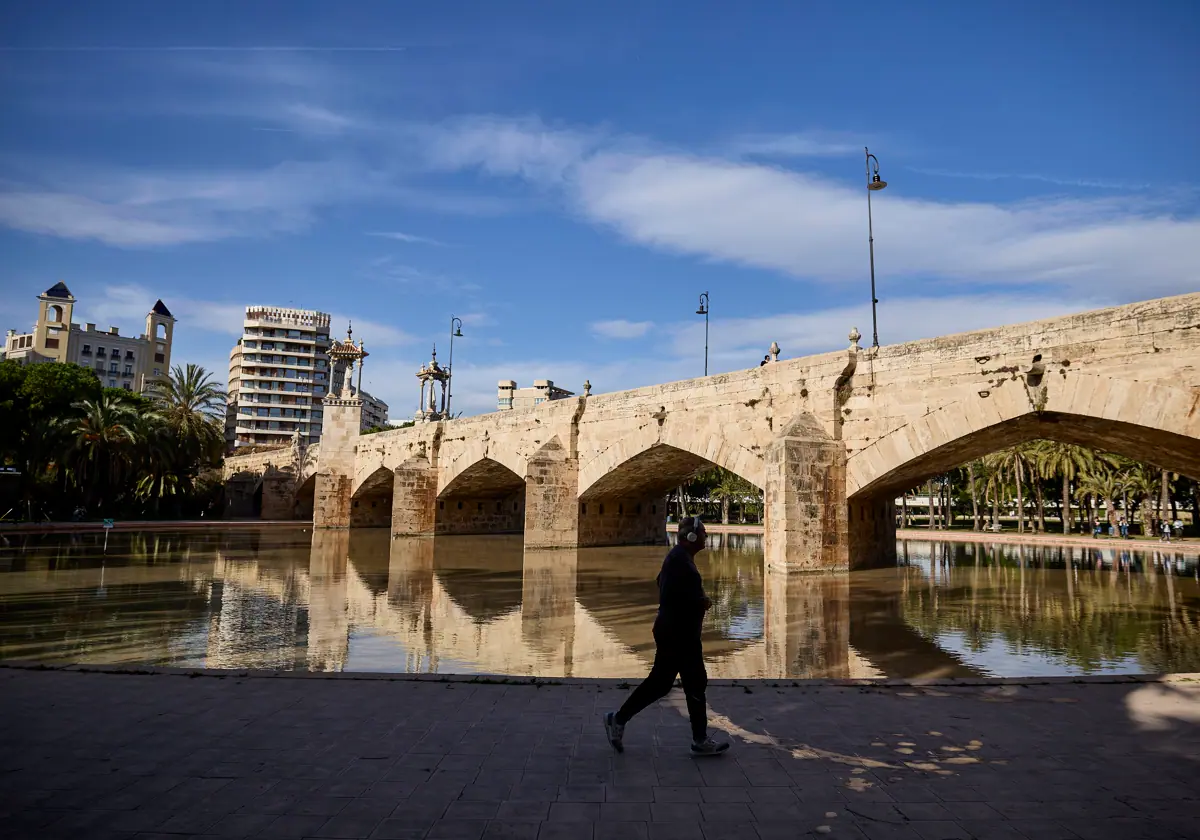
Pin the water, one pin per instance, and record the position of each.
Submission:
(360, 601)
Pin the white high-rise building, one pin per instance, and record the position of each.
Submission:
(278, 376)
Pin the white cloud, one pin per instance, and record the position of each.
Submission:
(372, 333)
(796, 144)
(811, 227)
(621, 328)
(407, 237)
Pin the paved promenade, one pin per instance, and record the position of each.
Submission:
(105, 755)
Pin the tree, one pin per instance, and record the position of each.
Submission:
(190, 404)
(1101, 483)
(1066, 461)
(102, 438)
(975, 522)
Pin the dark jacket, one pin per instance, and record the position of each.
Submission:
(680, 594)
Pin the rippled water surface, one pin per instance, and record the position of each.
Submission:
(361, 601)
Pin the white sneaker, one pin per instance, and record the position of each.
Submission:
(709, 747)
(615, 731)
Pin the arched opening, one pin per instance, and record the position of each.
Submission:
(371, 504)
(54, 313)
(628, 504)
(305, 498)
(1047, 471)
(160, 332)
(485, 498)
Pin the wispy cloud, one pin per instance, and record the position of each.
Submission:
(407, 237)
(1097, 183)
(796, 144)
(621, 328)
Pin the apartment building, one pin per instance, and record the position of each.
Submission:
(279, 374)
(119, 361)
(278, 377)
(509, 396)
(374, 410)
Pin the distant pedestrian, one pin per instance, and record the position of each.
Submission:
(766, 360)
(1124, 528)
(1177, 526)
(1166, 531)
(681, 608)
(1096, 530)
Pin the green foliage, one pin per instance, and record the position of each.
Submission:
(114, 452)
(370, 430)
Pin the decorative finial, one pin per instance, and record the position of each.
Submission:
(855, 335)
(349, 330)
(587, 387)
(774, 351)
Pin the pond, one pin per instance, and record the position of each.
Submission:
(284, 598)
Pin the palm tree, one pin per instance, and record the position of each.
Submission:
(1101, 483)
(102, 438)
(1013, 461)
(1143, 482)
(191, 404)
(1068, 462)
(975, 524)
(729, 487)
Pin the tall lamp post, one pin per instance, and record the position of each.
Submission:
(455, 332)
(703, 310)
(874, 183)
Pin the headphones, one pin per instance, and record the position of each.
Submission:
(692, 536)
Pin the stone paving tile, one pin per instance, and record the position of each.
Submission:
(398, 759)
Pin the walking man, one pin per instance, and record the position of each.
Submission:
(681, 608)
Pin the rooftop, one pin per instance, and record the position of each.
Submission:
(58, 290)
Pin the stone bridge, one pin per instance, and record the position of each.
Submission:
(829, 438)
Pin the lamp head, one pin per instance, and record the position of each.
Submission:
(458, 333)
(702, 310)
(876, 183)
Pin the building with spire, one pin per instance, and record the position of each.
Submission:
(119, 361)
(280, 372)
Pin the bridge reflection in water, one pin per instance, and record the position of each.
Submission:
(360, 600)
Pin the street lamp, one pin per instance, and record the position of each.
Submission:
(455, 332)
(874, 183)
(703, 310)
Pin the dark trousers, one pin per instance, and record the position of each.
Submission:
(680, 654)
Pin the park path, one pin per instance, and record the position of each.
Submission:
(90, 754)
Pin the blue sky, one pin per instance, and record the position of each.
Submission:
(567, 178)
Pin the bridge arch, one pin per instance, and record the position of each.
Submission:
(1156, 423)
(485, 497)
(453, 466)
(623, 489)
(371, 502)
(702, 444)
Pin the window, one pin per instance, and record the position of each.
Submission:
(129, 370)
(112, 367)
(100, 367)
(125, 385)
(158, 357)
(112, 383)
(157, 372)
(116, 354)
(129, 355)
(87, 350)
(99, 351)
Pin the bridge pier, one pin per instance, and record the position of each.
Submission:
(805, 521)
(551, 498)
(414, 499)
